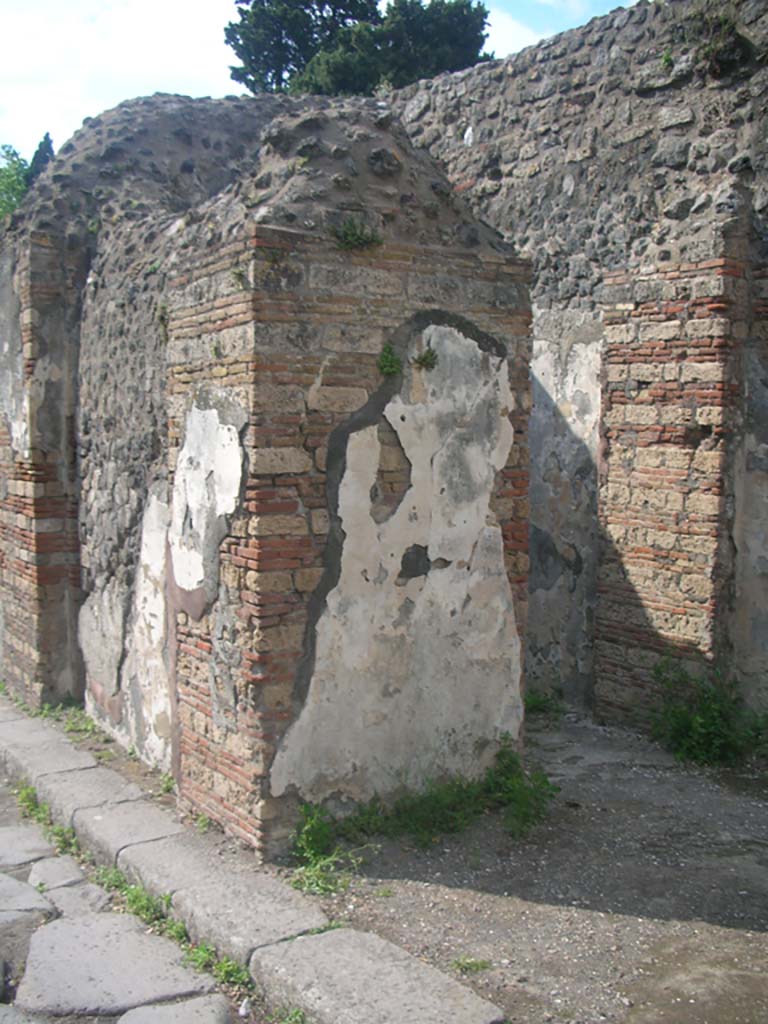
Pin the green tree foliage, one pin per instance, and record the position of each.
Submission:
(41, 159)
(275, 39)
(305, 46)
(13, 179)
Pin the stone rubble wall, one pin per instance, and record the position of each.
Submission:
(606, 149)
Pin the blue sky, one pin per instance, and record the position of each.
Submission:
(64, 61)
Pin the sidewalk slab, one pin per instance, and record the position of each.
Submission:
(72, 791)
(204, 1010)
(79, 966)
(22, 844)
(17, 896)
(166, 865)
(30, 749)
(76, 900)
(8, 713)
(239, 911)
(107, 830)
(346, 976)
(56, 872)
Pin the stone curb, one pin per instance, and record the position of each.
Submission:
(340, 976)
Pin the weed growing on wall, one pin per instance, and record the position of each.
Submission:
(355, 234)
(705, 720)
(426, 360)
(390, 363)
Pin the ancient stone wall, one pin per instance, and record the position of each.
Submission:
(304, 579)
(285, 574)
(616, 148)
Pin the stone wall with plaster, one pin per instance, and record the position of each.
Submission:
(260, 508)
(381, 521)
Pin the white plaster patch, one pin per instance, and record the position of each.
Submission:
(415, 678)
(101, 630)
(144, 679)
(206, 489)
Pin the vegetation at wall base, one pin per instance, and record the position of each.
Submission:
(442, 808)
(704, 719)
(542, 702)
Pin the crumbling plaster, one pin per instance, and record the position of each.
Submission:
(418, 637)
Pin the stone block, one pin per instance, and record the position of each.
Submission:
(345, 977)
(276, 461)
(111, 828)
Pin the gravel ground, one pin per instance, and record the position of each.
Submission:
(642, 898)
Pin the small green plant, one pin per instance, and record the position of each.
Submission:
(389, 364)
(202, 957)
(167, 783)
(111, 879)
(64, 839)
(469, 965)
(294, 1016)
(229, 972)
(176, 930)
(26, 799)
(240, 277)
(78, 721)
(203, 823)
(385, 892)
(426, 360)
(150, 909)
(324, 876)
(542, 702)
(355, 234)
(705, 720)
(667, 60)
(3, 689)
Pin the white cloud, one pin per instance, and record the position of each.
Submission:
(578, 9)
(64, 62)
(506, 35)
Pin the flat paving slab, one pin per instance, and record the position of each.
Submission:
(68, 792)
(204, 1010)
(16, 895)
(102, 964)
(75, 900)
(346, 976)
(166, 865)
(22, 844)
(109, 829)
(56, 872)
(240, 912)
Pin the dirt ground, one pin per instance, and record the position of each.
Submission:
(642, 898)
